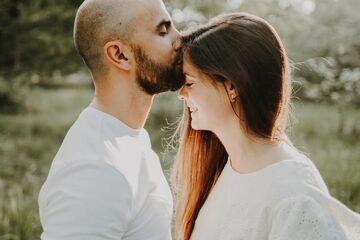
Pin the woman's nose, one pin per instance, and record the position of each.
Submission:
(182, 94)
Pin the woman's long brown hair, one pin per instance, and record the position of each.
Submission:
(246, 50)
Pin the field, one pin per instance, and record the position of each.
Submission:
(29, 141)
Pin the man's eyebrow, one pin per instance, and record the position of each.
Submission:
(163, 22)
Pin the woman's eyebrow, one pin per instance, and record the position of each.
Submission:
(190, 76)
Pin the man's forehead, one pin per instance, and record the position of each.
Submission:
(152, 12)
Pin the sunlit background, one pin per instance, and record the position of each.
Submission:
(44, 85)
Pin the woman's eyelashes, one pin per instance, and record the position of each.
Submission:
(189, 81)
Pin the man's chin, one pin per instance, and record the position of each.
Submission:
(150, 88)
(156, 88)
(164, 83)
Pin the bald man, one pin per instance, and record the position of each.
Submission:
(106, 182)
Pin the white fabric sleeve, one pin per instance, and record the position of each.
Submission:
(302, 218)
(87, 202)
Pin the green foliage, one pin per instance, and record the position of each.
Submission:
(37, 37)
(29, 141)
(35, 40)
(11, 94)
(323, 80)
(335, 153)
(19, 219)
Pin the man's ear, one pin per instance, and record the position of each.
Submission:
(117, 54)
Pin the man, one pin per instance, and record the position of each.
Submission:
(105, 181)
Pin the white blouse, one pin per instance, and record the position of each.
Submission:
(287, 200)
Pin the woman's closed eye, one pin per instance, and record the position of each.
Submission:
(189, 81)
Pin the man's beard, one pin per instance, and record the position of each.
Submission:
(156, 78)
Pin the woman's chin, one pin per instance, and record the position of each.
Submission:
(196, 126)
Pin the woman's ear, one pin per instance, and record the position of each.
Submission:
(117, 54)
(231, 90)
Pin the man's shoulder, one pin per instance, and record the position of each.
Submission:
(90, 172)
(98, 163)
(83, 179)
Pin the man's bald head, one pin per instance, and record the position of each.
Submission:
(97, 22)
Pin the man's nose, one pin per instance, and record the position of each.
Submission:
(177, 44)
(177, 40)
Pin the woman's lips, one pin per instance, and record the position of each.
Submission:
(193, 109)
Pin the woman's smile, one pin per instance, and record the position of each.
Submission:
(193, 109)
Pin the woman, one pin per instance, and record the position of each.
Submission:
(237, 175)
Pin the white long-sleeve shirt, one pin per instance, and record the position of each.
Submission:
(287, 200)
(105, 183)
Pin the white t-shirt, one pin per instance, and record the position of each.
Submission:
(287, 200)
(105, 183)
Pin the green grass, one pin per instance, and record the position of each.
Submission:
(334, 150)
(30, 140)
(28, 143)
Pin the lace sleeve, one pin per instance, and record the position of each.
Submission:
(302, 218)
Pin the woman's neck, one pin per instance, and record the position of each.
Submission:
(248, 154)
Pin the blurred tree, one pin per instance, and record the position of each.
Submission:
(36, 37)
(9, 10)
(35, 42)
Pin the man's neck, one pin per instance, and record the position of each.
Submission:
(125, 102)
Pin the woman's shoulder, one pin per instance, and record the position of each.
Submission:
(283, 179)
(291, 177)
